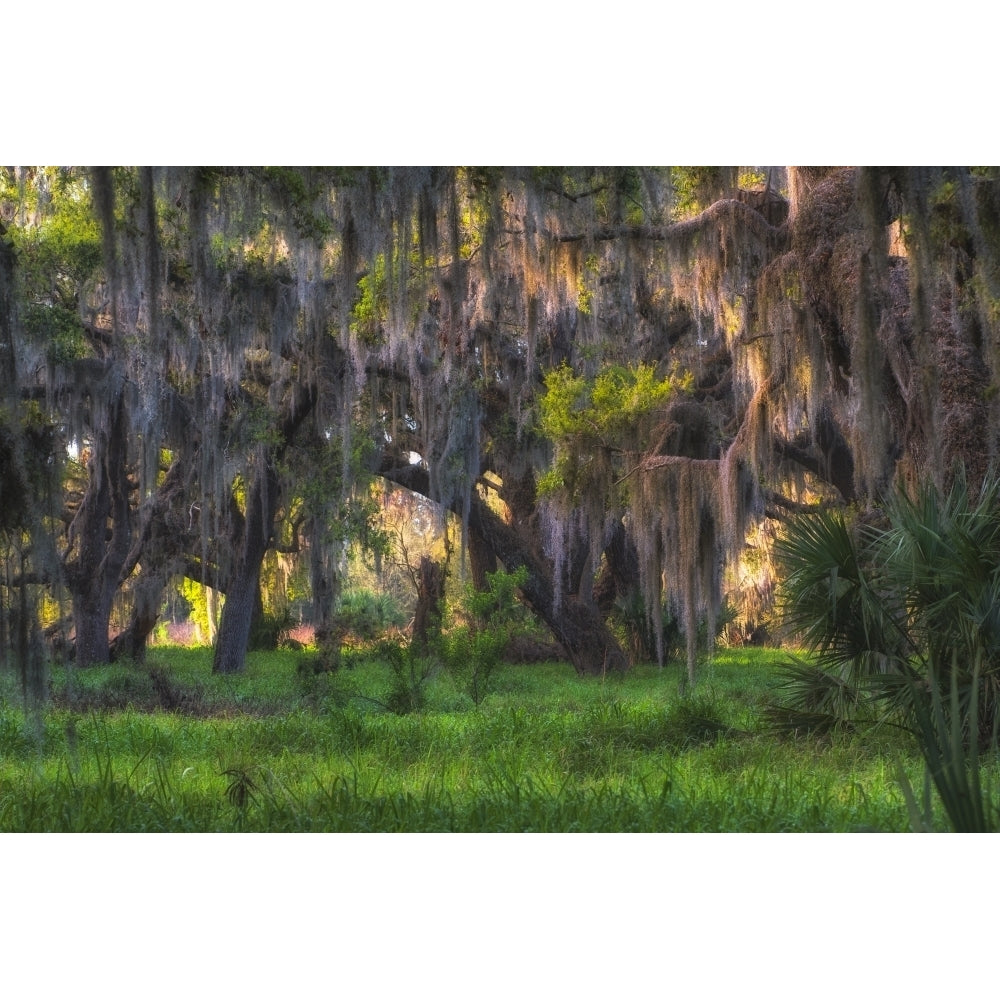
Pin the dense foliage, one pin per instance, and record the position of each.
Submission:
(619, 381)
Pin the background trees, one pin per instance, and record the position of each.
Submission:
(612, 376)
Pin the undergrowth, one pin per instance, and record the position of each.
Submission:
(170, 747)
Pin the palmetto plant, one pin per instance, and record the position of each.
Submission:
(903, 615)
(942, 554)
(953, 763)
(895, 604)
(834, 598)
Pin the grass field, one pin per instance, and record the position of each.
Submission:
(170, 747)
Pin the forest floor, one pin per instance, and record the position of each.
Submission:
(170, 747)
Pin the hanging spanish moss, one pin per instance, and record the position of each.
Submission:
(787, 336)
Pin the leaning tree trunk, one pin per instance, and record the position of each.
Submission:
(577, 625)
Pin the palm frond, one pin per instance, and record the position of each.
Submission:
(832, 599)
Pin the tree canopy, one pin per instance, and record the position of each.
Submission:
(619, 379)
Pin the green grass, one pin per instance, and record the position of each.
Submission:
(276, 750)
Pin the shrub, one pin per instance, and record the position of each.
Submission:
(410, 673)
(484, 623)
(367, 615)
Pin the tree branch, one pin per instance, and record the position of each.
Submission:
(726, 210)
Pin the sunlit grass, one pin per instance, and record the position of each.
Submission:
(278, 749)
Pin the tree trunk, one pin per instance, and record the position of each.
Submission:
(430, 594)
(325, 583)
(147, 599)
(91, 620)
(577, 625)
(237, 618)
(251, 538)
(322, 578)
(482, 559)
(159, 552)
(92, 578)
(243, 589)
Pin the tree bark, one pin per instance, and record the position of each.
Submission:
(430, 594)
(233, 638)
(92, 578)
(147, 598)
(243, 587)
(482, 559)
(159, 550)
